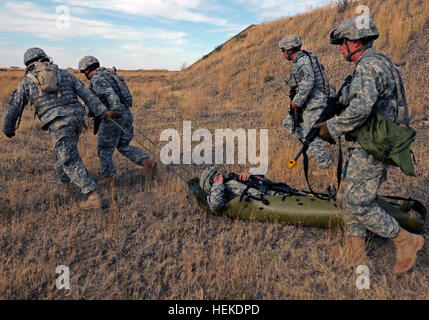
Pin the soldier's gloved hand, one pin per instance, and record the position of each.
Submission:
(294, 106)
(9, 134)
(324, 132)
(112, 114)
(244, 176)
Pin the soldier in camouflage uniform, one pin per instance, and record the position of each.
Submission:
(219, 193)
(312, 87)
(110, 136)
(61, 113)
(376, 87)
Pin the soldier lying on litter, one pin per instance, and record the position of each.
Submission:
(222, 189)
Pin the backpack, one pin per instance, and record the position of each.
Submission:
(321, 68)
(125, 94)
(46, 76)
(388, 142)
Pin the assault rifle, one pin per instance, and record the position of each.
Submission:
(265, 184)
(295, 115)
(333, 108)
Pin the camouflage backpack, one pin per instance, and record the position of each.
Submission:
(46, 76)
(125, 94)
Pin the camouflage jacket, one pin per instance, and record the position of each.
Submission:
(106, 89)
(306, 76)
(52, 105)
(221, 193)
(373, 88)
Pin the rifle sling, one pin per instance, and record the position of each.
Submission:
(339, 174)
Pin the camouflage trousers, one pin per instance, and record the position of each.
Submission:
(316, 148)
(111, 137)
(363, 177)
(64, 133)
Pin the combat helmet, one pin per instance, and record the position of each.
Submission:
(290, 42)
(33, 54)
(354, 29)
(87, 62)
(205, 178)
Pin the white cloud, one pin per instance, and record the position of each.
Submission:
(271, 9)
(10, 58)
(139, 48)
(136, 48)
(61, 56)
(133, 47)
(28, 17)
(139, 57)
(183, 10)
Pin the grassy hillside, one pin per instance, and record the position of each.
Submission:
(154, 242)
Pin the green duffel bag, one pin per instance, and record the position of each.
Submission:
(388, 142)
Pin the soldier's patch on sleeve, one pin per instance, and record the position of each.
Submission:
(99, 82)
(102, 83)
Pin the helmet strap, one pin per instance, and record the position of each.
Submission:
(351, 54)
(290, 53)
(88, 73)
(28, 68)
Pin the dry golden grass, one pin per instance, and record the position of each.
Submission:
(155, 242)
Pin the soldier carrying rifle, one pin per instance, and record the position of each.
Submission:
(309, 93)
(376, 88)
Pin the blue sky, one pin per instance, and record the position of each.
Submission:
(131, 34)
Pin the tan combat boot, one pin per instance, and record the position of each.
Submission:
(150, 167)
(93, 201)
(407, 245)
(352, 253)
